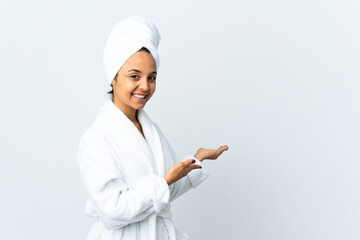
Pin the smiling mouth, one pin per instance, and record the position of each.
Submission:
(139, 96)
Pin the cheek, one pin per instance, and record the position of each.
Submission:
(130, 86)
(152, 89)
(126, 88)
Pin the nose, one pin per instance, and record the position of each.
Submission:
(144, 84)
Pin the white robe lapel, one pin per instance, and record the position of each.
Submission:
(153, 141)
(131, 133)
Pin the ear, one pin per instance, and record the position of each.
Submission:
(114, 80)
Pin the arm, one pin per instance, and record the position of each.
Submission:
(192, 180)
(195, 177)
(115, 203)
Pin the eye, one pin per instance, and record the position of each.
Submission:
(134, 76)
(152, 78)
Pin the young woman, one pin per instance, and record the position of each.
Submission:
(129, 169)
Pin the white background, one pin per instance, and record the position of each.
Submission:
(277, 81)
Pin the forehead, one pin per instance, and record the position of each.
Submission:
(141, 61)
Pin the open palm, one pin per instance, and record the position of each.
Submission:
(211, 153)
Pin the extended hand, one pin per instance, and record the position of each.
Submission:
(203, 153)
(180, 170)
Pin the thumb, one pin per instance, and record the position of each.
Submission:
(223, 148)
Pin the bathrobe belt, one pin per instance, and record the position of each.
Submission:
(166, 214)
(169, 225)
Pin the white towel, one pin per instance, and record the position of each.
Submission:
(129, 36)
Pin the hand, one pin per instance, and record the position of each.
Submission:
(180, 170)
(203, 153)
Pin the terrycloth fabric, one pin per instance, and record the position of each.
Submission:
(123, 175)
(129, 36)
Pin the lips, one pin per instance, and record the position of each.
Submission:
(139, 99)
(140, 95)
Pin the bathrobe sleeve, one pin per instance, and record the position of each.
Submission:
(194, 177)
(192, 180)
(116, 204)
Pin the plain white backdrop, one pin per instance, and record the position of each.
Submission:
(277, 81)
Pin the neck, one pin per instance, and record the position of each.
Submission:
(130, 113)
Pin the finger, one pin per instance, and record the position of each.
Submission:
(220, 150)
(194, 166)
(223, 148)
(189, 162)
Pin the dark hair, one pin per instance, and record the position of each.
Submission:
(143, 49)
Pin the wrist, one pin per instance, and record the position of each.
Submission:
(167, 179)
(199, 157)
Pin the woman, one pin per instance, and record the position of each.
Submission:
(130, 171)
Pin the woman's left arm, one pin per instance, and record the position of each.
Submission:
(196, 176)
(192, 180)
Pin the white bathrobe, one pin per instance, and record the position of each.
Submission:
(124, 174)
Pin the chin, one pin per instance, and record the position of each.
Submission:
(140, 107)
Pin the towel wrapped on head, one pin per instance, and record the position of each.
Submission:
(129, 36)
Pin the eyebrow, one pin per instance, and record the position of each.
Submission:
(138, 71)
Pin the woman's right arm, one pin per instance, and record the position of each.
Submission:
(115, 203)
(180, 184)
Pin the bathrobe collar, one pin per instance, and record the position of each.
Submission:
(150, 146)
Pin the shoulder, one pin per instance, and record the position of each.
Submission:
(158, 129)
(156, 126)
(97, 135)
(91, 136)
(92, 141)
(98, 132)
(165, 142)
(163, 139)
(93, 148)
